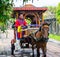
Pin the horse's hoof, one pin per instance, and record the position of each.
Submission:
(32, 55)
(38, 55)
(44, 56)
(13, 56)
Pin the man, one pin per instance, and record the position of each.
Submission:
(20, 21)
(19, 25)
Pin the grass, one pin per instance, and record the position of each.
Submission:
(53, 36)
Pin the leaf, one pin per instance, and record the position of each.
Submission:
(6, 9)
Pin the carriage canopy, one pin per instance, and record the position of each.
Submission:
(32, 13)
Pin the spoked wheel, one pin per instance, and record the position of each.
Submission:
(24, 45)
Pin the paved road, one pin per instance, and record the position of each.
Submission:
(53, 50)
(53, 47)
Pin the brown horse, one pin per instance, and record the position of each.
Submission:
(40, 38)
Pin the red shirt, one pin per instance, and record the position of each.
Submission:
(20, 23)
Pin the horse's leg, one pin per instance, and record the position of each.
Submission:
(12, 49)
(27, 41)
(33, 50)
(28, 45)
(38, 52)
(12, 46)
(44, 51)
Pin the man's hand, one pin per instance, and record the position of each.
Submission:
(23, 27)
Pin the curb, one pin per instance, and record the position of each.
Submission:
(54, 41)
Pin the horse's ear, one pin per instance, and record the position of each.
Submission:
(49, 23)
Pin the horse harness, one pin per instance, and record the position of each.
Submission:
(40, 39)
(33, 35)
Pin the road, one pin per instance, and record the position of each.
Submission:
(53, 48)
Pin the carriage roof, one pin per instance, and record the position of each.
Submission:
(30, 7)
(30, 11)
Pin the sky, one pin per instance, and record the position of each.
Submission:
(40, 3)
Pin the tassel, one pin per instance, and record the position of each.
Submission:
(19, 32)
(19, 29)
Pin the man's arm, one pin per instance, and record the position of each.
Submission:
(25, 25)
(16, 23)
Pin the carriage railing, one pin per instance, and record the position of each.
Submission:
(33, 25)
(28, 30)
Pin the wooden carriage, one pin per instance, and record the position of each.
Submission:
(30, 11)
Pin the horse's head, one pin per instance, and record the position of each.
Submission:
(45, 30)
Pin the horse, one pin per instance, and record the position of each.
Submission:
(39, 38)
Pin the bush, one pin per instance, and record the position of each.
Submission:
(54, 36)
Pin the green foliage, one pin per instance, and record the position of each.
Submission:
(52, 9)
(3, 26)
(5, 9)
(25, 1)
(58, 13)
(53, 36)
(28, 20)
(28, 0)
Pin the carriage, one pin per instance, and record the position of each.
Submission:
(35, 14)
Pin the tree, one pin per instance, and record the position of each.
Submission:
(6, 9)
(55, 11)
(24, 1)
(58, 13)
(28, 0)
(52, 9)
(51, 12)
(33, 1)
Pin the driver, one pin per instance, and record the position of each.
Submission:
(20, 24)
